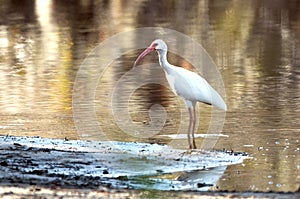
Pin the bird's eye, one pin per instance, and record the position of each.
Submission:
(154, 45)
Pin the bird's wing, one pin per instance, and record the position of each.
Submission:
(193, 87)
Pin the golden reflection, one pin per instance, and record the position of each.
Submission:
(57, 54)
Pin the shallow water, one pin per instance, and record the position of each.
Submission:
(255, 45)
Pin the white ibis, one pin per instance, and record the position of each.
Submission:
(187, 84)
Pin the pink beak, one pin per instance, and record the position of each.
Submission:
(143, 54)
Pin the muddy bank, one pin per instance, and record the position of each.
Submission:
(37, 161)
(33, 166)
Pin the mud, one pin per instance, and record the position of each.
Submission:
(49, 168)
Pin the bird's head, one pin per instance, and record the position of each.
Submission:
(158, 45)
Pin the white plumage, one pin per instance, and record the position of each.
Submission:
(187, 84)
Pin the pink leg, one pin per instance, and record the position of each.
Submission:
(190, 125)
(194, 124)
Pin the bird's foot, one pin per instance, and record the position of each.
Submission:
(194, 145)
(188, 152)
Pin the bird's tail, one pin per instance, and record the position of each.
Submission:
(216, 99)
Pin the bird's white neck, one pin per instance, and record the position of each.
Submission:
(163, 62)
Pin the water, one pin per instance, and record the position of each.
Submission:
(255, 45)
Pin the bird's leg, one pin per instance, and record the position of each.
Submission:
(190, 125)
(194, 124)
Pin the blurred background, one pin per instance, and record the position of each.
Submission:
(255, 44)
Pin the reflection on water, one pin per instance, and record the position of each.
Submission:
(254, 43)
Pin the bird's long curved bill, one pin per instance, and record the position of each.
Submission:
(143, 54)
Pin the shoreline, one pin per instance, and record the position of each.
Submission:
(35, 167)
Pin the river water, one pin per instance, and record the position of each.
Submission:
(254, 44)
